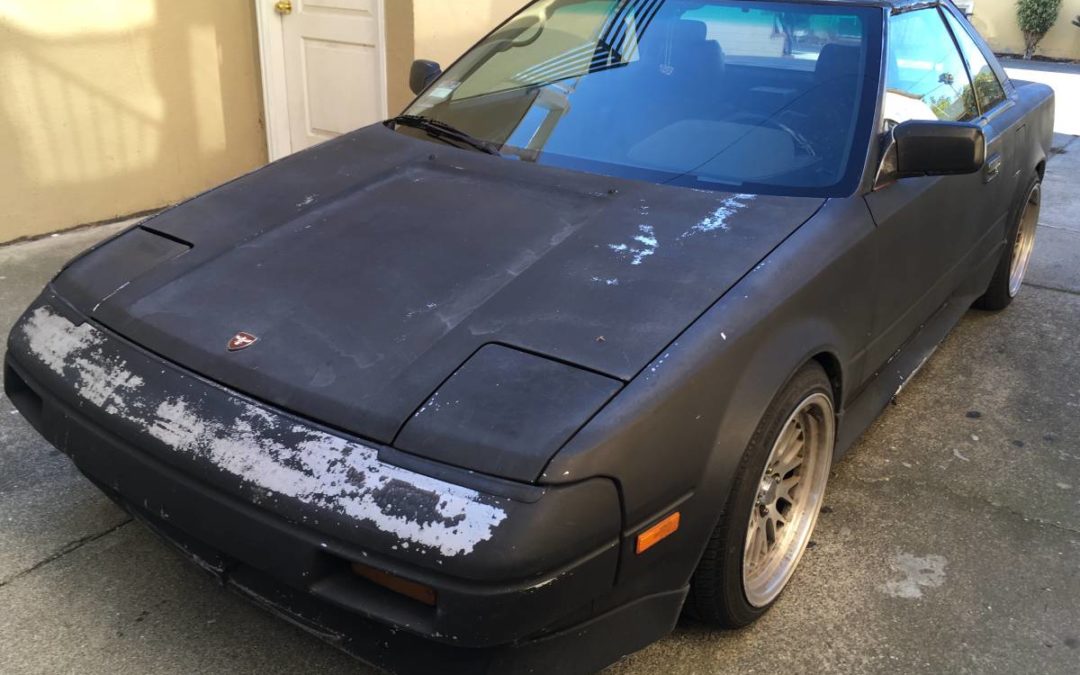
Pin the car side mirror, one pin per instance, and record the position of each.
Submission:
(920, 148)
(423, 73)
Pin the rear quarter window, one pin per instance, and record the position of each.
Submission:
(988, 89)
(926, 77)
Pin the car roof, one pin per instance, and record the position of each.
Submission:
(908, 5)
(894, 5)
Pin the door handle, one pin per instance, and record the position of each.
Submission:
(284, 7)
(993, 168)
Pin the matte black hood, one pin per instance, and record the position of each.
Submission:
(372, 267)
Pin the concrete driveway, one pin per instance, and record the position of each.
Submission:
(951, 540)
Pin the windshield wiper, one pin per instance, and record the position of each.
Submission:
(445, 132)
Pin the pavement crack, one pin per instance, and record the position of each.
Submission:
(995, 506)
(1067, 145)
(1051, 288)
(1057, 227)
(68, 548)
(1033, 519)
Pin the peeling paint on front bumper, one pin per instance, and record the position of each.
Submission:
(251, 489)
(269, 453)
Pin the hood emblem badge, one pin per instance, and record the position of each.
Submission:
(242, 341)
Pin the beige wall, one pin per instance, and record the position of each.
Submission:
(111, 107)
(446, 28)
(996, 20)
(441, 30)
(400, 52)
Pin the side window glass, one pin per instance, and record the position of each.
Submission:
(987, 86)
(926, 78)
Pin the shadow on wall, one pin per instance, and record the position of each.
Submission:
(108, 109)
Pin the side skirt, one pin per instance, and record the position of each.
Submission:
(892, 377)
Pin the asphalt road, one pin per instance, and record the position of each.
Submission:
(951, 541)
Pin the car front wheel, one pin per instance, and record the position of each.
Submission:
(773, 507)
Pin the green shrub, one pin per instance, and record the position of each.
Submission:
(1036, 18)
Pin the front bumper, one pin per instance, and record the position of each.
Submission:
(279, 509)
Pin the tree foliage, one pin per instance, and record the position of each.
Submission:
(1036, 18)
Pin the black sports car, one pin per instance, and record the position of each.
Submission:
(510, 382)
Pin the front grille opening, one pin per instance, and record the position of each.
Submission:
(25, 399)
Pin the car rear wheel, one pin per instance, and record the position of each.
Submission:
(773, 506)
(1012, 270)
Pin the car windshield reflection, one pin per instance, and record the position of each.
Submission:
(756, 96)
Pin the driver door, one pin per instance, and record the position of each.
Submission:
(927, 227)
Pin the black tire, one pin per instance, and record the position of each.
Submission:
(717, 596)
(999, 295)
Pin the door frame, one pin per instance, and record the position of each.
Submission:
(271, 36)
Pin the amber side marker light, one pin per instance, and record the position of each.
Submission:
(658, 532)
(410, 589)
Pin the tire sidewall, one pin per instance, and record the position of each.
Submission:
(997, 295)
(807, 382)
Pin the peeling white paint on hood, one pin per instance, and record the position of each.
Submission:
(269, 451)
(644, 246)
(718, 219)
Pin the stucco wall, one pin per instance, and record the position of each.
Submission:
(400, 52)
(111, 108)
(444, 30)
(441, 31)
(996, 20)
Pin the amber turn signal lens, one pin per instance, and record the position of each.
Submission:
(657, 533)
(410, 589)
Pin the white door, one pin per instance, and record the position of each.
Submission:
(324, 69)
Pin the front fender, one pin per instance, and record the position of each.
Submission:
(676, 434)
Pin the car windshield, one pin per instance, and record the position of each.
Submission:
(759, 97)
